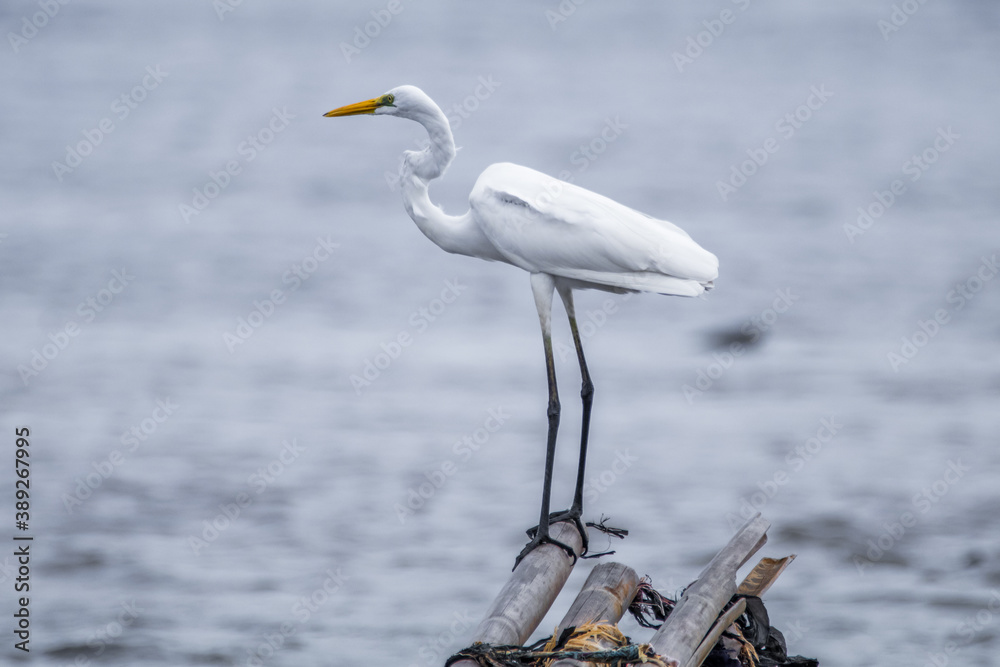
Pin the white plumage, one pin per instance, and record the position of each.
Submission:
(544, 225)
(565, 236)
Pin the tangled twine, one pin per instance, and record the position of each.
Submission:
(585, 643)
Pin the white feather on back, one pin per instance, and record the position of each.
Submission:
(542, 224)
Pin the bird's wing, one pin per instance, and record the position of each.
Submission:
(546, 225)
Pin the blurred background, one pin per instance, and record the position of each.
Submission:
(205, 282)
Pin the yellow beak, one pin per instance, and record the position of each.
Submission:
(368, 106)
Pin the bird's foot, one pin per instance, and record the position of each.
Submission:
(573, 515)
(570, 515)
(538, 540)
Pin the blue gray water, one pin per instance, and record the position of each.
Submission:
(195, 264)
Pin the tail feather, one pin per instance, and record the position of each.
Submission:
(639, 281)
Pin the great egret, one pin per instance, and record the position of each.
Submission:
(566, 237)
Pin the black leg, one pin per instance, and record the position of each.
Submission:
(587, 394)
(575, 512)
(543, 285)
(540, 534)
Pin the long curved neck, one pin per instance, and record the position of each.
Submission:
(457, 234)
(431, 162)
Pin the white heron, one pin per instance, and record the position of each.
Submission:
(564, 236)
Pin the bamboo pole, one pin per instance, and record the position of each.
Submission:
(760, 579)
(530, 591)
(605, 596)
(720, 626)
(763, 575)
(698, 609)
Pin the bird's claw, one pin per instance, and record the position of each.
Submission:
(539, 540)
(570, 515)
(574, 516)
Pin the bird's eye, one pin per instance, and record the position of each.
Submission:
(387, 101)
